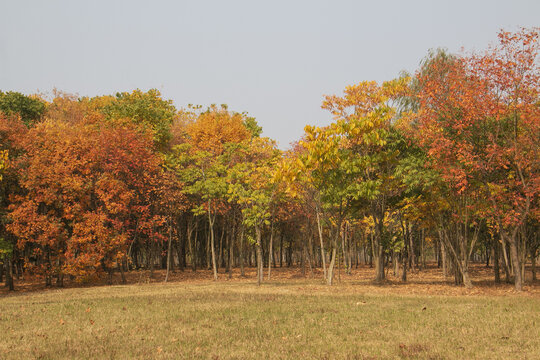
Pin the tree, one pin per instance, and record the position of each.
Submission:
(12, 133)
(29, 108)
(147, 110)
(479, 123)
(372, 149)
(511, 77)
(202, 164)
(252, 186)
(85, 191)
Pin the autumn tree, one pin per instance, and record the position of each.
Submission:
(85, 191)
(478, 121)
(252, 185)
(146, 110)
(510, 74)
(29, 108)
(12, 133)
(201, 161)
(364, 119)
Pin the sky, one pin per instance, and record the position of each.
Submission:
(273, 59)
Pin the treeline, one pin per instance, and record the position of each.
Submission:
(442, 165)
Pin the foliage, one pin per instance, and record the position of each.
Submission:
(146, 110)
(29, 108)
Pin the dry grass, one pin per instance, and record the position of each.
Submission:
(289, 317)
(429, 281)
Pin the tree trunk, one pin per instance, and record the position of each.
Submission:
(323, 253)
(151, 257)
(260, 265)
(281, 249)
(231, 254)
(518, 281)
(412, 253)
(122, 274)
(242, 273)
(378, 250)
(423, 249)
(9, 274)
(496, 257)
(444, 257)
(379, 263)
(169, 251)
(220, 261)
(533, 262)
(405, 264)
(212, 242)
(330, 278)
(507, 263)
(193, 245)
(465, 273)
(270, 249)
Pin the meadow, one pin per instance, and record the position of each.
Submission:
(289, 317)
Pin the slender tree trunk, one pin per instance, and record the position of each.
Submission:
(169, 247)
(208, 251)
(423, 249)
(518, 281)
(343, 249)
(372, 255)
(212, 242)
(508, 268)
(260, 265)
(231, 247)
(151, 257)
(533, 251)
(281, 249)
(330, 278)
(496, 257)
(220, 254)
(405, 263)
(378, 250)
(309, 258)
(465, 273)
(488, 254)
(323, 253)
(444, 257)
(379, 263)
(270, 248)
(9, 274)
(122, 274)
(242, 273)
(412, 254)
(192, 244)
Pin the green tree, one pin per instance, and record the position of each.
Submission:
(29, 108)
(145, 109)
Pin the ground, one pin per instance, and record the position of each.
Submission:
(288, 317)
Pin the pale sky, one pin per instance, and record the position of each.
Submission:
(274, 59)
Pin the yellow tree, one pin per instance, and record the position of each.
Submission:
(252, 185)
(202, 162)
(368, 151)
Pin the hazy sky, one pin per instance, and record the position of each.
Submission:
(273, 59)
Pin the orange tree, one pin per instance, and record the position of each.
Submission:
(86, 191)
(511, 76)
(479, 122)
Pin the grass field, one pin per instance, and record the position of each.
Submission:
(283, 319)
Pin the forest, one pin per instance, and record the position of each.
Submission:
(440, 166)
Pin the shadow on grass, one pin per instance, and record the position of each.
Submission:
(430, 279)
